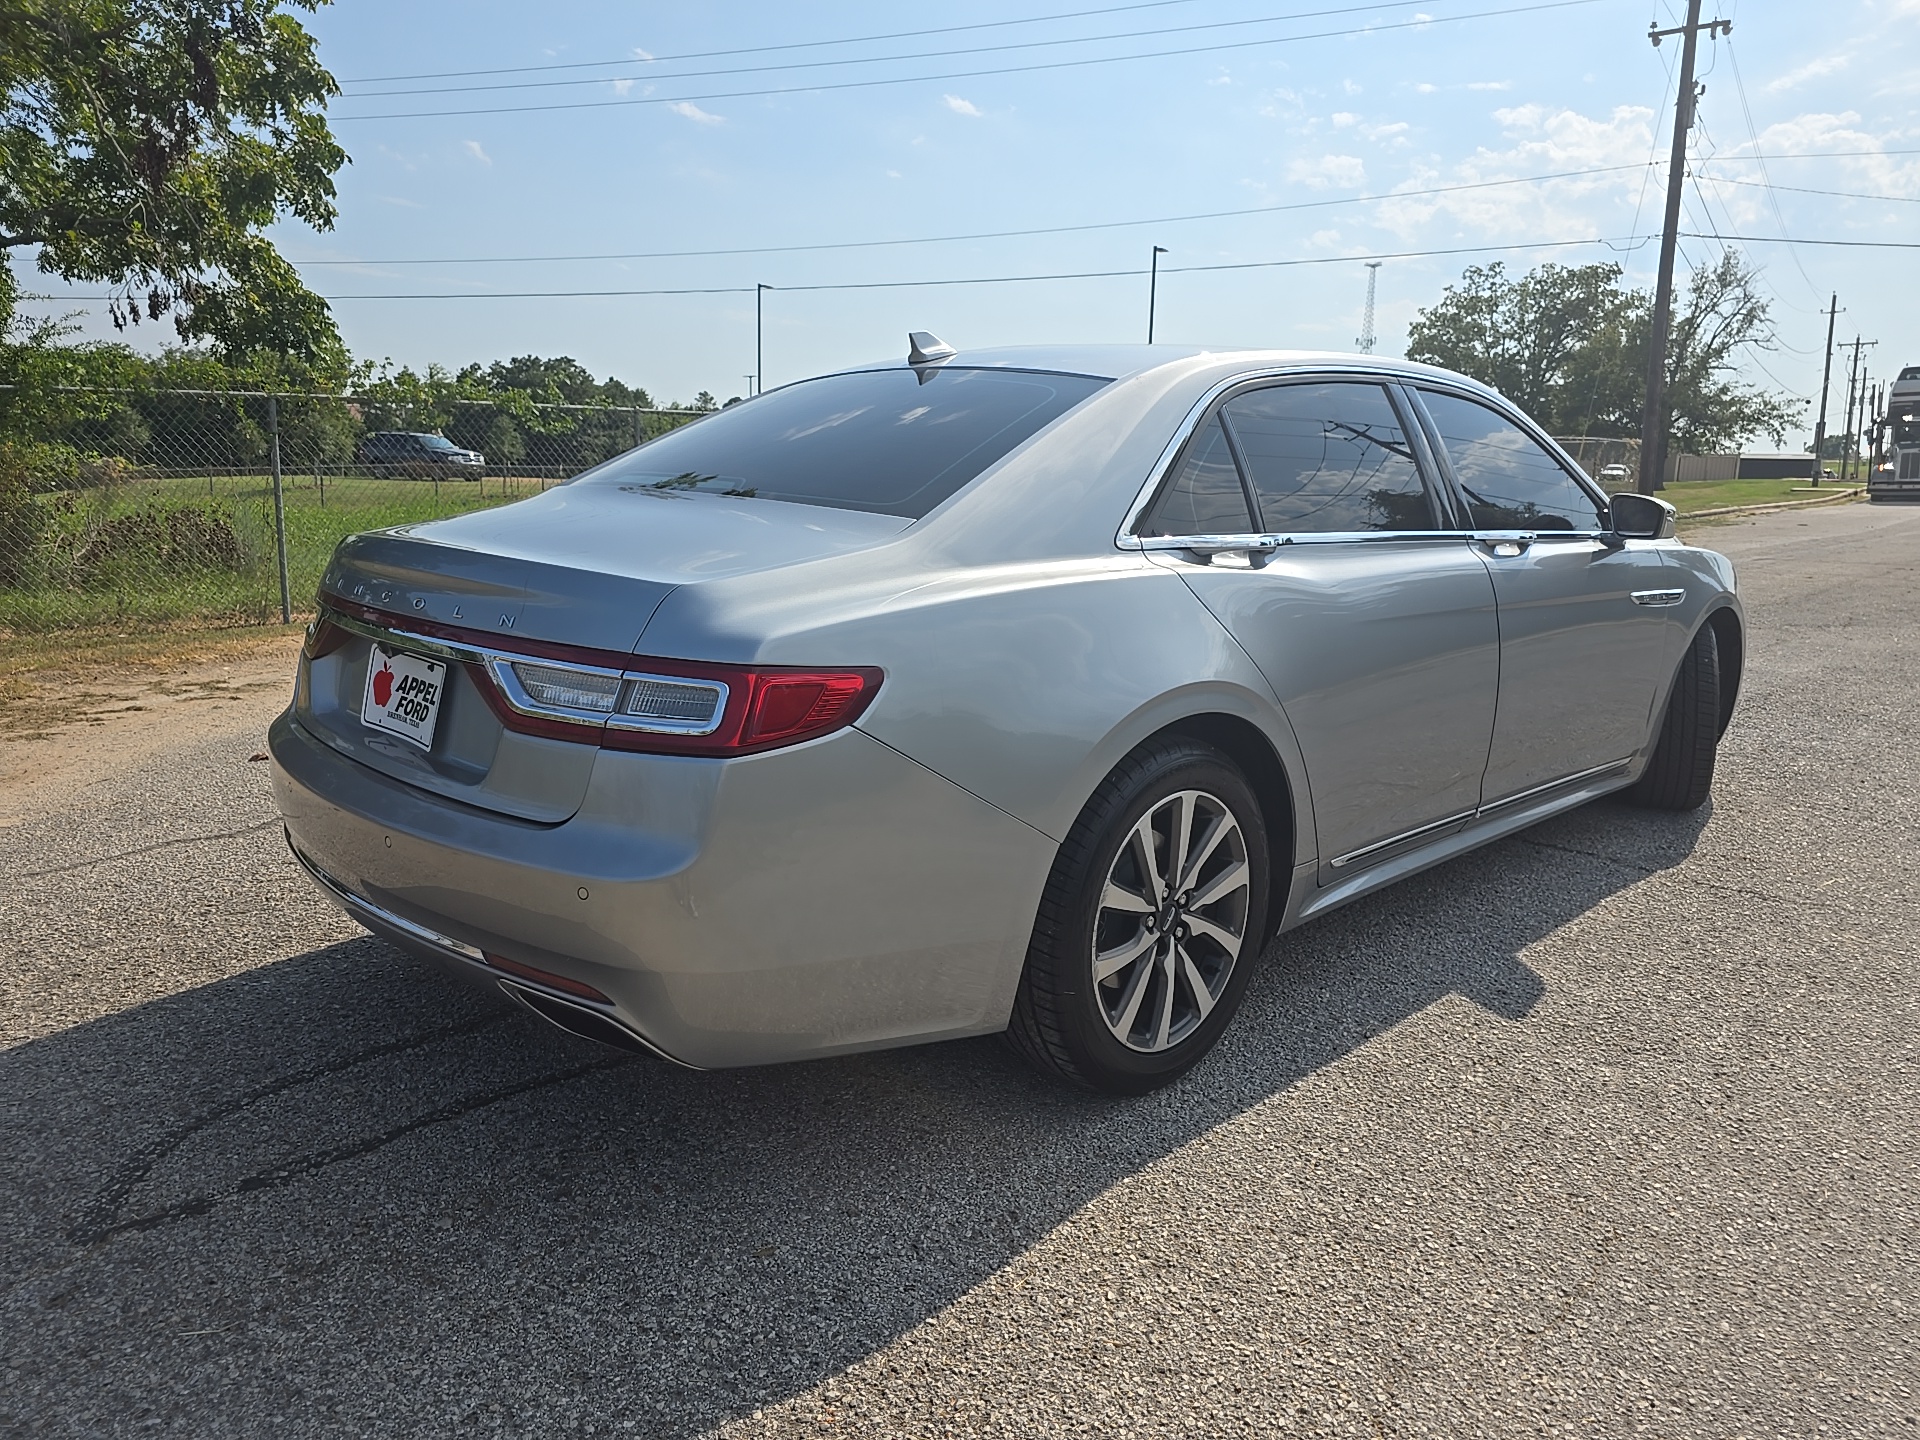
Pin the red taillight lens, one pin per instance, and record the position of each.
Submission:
(323, 638)
(766, 708)
(786, 707)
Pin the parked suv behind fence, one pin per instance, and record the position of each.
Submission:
(410, 454)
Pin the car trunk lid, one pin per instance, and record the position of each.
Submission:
(578, 567)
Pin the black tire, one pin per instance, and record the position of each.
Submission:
(1680, 774)
(1061, 1022)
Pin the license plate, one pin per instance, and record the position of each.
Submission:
(403, 694)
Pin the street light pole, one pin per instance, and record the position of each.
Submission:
(1153, 289)
(759, 358)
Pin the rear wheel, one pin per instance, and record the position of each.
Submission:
(1149, 926)
(1680, 774)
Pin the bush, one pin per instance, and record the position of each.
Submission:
(161, 540)
(23, 522)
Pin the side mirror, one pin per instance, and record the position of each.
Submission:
(1634, 516)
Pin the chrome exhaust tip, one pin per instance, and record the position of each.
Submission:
(580, 1020)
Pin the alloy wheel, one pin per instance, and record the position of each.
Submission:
(1171, 920)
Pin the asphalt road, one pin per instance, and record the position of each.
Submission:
(1606, 1130)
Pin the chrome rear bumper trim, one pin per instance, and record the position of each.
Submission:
(515, 988)
(357, 906)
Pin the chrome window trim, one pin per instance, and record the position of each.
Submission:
(499, 664)
(1125, 539)
(1217, 544)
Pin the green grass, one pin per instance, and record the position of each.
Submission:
(1687, 496)
(167, 551)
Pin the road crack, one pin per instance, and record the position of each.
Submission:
(99, 1218)
(147, 850)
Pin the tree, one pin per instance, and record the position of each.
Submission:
(145, 144)
(1570, 345)
(1519, 336)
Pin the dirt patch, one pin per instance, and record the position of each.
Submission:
(73, 713)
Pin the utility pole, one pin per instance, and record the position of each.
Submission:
(1653, 417)
(1367, 336)
(1153, 289)
(1856, 389)
(759, 358)
(1826, 374)
(1846, 447)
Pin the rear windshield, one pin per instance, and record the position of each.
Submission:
(1912, 372)
(893, 442)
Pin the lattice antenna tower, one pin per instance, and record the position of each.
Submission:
(1367, 337)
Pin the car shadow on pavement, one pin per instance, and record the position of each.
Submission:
(348, 1192)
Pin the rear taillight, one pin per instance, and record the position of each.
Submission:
(676, 707)
(323, 638)
(755, 708)
(630, 702)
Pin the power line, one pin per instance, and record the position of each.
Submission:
(767, 49)
(1802, 240)
(924, 284)
(1808, 190)
(996, 234)
(1766, 180)
(884, 59)
(1419, 23)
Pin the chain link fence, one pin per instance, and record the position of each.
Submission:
(1595, 452)
(166, 507)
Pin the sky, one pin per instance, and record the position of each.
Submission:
(658, 137)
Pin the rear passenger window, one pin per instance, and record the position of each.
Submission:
(1328, 458)
(1510, 481)
(1205, 497)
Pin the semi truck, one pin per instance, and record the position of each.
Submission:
(1898, 476)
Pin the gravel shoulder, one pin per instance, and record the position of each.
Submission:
(1606, 1129)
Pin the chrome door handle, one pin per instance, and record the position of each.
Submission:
(1658, 598)
(1506, 542)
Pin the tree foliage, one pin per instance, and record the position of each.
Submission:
(145, 144)
(1569, 345)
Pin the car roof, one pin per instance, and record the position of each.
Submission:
(1118, 362)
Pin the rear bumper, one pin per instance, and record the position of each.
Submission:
(828, 898)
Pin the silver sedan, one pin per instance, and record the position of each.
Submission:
(1027, 690)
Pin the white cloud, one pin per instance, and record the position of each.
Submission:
(403, 202)
(473, 149)
(1423, 88)
(1395, 133)
(1328, 170)
(1342, 119)
(691, 111)
(1812, 70)
(1350, 87)
(962, 107)
(1817, 132)
(893, 174)
(1221, 79)
(621, 87)
(1541, 140)
(1489, 85)
(640, 54)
